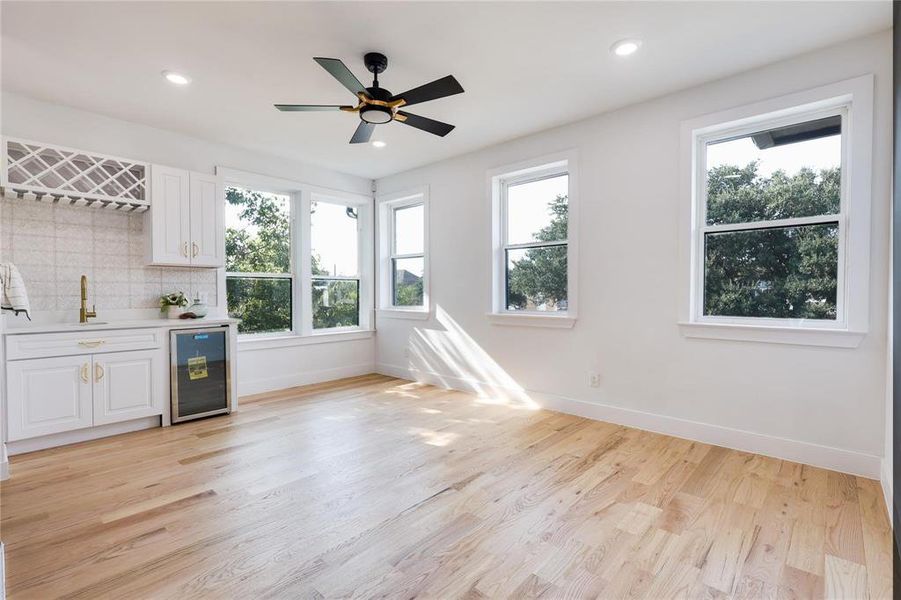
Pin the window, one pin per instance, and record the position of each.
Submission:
(335, 264)
(772, 221)
(259, 276)
(403, 264)
(534, 254)
(298, 260)
(780, 214)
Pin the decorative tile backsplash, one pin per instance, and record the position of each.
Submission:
(53, 246)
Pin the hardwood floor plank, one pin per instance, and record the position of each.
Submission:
(377, 487)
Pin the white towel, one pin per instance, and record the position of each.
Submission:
(12, 290)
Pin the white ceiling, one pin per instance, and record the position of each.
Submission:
(525, 66)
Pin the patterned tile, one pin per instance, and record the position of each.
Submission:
(53, 246)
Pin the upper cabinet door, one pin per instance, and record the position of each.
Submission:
(207, 221)
(48, 395)
(170, 235)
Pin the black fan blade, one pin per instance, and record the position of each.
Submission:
(309, 107)
(340, 72)
(446, 86)
(426, 124)
(363, 133)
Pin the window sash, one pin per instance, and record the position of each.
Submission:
(392, 260)
(701, 229)
(291, 300)
(392, 227)
(316, 278)
(532, 177)
(504, 184)
(506, 259)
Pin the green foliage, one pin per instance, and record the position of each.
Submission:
(538, 275)
(788, 272)
(264, 246)
(336, 303)
(267, 249)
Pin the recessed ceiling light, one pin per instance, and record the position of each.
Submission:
(379, 144)
(625, 47)
(176, 78)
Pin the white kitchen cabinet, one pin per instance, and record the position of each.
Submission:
(170, 217)
(48, 395)
(187, 219)
(207, 221)
(127, 385)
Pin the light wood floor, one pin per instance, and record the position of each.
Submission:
(375, 487)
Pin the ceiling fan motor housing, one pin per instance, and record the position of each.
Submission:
(378, 111)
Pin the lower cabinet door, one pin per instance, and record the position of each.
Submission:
(127, 385)
(48, 395)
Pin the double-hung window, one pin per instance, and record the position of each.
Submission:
(534, 252)
(298, 258)
(334, 263)
(259, 276)
(778, 218)
(403, 264)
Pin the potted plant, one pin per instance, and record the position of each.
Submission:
(173, 305)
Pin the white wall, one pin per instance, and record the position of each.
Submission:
(258, 370)
(819, 405)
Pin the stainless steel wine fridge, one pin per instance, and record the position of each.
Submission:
(200, 373)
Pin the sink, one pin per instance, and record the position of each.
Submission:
(88, 323)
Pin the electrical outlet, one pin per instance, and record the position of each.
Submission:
(594, 379)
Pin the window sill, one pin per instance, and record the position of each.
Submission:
(401, 313)
(799, 336)
(251, 342)
(532, 320)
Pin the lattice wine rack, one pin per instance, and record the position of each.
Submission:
(55, 174)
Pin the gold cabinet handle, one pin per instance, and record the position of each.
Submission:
(91, 343)
(84, 372)
(98, 372)
(184, 249)
(194, 249)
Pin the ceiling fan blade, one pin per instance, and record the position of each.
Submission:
(363, 133)
(309, 107)
(424, 123)
(339, 71)
(446, 86)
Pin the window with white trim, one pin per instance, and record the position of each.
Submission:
(298, 258)
(534, 254)
(779, 215)
(259, 276)
(334, 264)
(772, 225)
(403, 260)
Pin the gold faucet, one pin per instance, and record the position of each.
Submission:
(84, 314)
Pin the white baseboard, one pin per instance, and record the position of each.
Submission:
(271, 384)
(81, 435)
(885, 478)
(836, 459)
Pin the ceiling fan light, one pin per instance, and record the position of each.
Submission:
(376, 115)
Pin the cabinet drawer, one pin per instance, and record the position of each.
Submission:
(41, 345)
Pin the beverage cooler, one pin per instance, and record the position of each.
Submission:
(200, 373)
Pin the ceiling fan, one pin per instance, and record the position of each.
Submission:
(375, 104)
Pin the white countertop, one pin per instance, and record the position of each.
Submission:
(101, 325)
